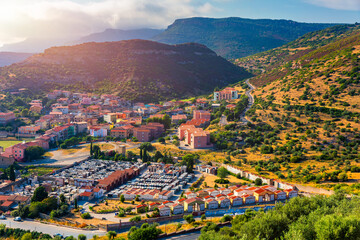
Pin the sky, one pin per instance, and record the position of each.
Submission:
(70, 19)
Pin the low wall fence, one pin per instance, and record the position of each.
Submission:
(196, 229)
(121, 225)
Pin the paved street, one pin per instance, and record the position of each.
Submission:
(49, 229)
(187, 236)
(251, 102)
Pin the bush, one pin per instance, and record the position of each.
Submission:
(85, 215)
(135, 219)
(226, 218)
(222, 181)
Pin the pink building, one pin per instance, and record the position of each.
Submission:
(178, 117)
(226, 94)
(201, 114)
(196, 138)
(28, 129)
(6, 117)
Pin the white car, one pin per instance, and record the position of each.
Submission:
(2, 217)
(18, 219)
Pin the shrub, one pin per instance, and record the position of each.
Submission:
(85, 215)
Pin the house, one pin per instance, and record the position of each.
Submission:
(280, 195)
(202, 193)
(164, 211)
(98, 192)
(226, 94)
(194, 204)
(290, 193)
(211, 203)
(196, 138)
(87, 196)
(98, 132)
(141, 208)
(262, 195)
(190, 195)
(201, 114)
(224, 202)
(248, 199)
(224, 191)
(179, 117)
(153, 205)
(28, 129)
(236, 201)
(177, 208)
(6, 117)
(168, 203)
(213, 192)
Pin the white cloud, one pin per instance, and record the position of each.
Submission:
(22, 19)
(337, 4)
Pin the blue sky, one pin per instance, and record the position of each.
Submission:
(66, 19)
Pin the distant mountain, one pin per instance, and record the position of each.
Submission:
(8, 58)
(112, 35)
(236, 37)
(135, 69)
(34, 45)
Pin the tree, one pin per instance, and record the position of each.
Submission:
(91, 149)
(189, 218)
(39, 194)
(158, 155)
(189, 161)
(12, 176)
(75, 203)
(27, 236)
(111, 235)
(161, 140)
(85, 215)
(62, 199)
(122, 198)
(146, 146)
(222, 172)
(258, 182)
(25, 112)
(146, 232)
(203, 217)
(34, 152)
(81, 237)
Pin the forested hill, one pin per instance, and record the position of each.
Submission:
(236, 37)
(135, 69)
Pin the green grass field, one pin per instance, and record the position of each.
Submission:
(6, 144)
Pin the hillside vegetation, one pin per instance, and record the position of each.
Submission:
(276, 58)
(236, 37)
(317, 217)
(305, 122)
(136, 69)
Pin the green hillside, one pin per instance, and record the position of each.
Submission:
(136, 70)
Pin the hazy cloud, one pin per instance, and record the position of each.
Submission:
(337, 4)
(21, 19)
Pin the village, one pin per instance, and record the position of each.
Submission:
(148, 189)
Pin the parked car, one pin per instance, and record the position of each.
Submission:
(2, 217)
(103, 218)
(59, 235)
(18, 219)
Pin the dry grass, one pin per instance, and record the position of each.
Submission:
(210, 181)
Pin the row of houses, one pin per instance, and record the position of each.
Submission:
(210, 199)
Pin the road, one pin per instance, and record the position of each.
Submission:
(243, 119)
(187, 236)
(50, 229)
